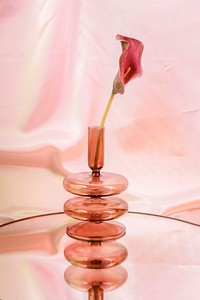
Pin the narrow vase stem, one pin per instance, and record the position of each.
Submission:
(95, 149)
(95, 293)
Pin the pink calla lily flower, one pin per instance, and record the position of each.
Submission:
(129, 68)
(129, 63)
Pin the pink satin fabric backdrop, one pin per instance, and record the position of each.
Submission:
(57, 63)
(58, 60)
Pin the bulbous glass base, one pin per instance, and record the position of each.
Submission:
(85, 184)
(84, 279)
(95, 255)
(95, 209)
(96, 231)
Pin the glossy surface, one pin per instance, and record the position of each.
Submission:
(83, 279)
(95, 255)
(37, 233)
(95, 149)
(94, 231)
(95, 209)
(95, 293)
(163, 261)
(85, 184)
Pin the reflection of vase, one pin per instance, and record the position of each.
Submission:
(96, 248)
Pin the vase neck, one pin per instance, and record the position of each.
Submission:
(95, 149)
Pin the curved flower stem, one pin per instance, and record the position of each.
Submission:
(102, 126)
(107, 109)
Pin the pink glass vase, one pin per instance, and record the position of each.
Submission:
(95, 250)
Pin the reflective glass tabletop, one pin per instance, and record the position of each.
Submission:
(163, 259)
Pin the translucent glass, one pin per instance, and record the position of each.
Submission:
(84, 279)
(163, 261)
(95, 293)
(95, 255)
(95, 149)
(94, 231)
(94, 183)
(85, 184)
(95, 209)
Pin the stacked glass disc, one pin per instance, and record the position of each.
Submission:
(95, 255)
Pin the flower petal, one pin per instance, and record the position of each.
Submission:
(129, 63)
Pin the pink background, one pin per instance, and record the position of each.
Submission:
(58, 60)
(57, 63)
